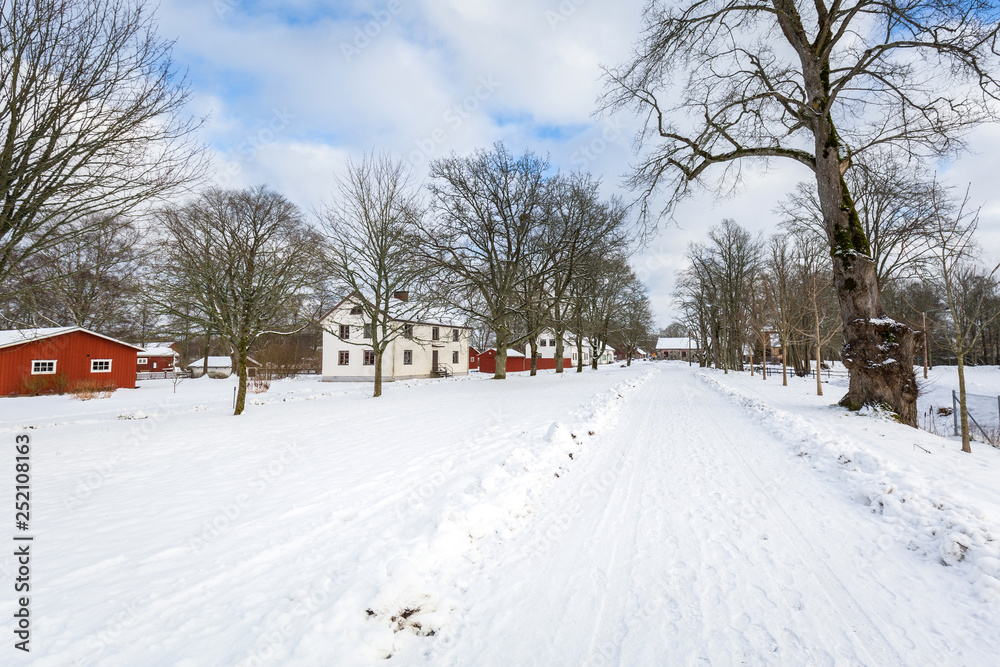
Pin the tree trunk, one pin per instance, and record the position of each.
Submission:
(963, 406)
(878, 352)
(819, 347)
(819, 370)
(241, 369)
(534, 356)
(208, 348)
(784, 361)
(500, 373)
(559, 351)
(579, 355)
(378, 374)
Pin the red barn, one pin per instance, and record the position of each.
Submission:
(37, 361)
(516, 361)
(473, 358)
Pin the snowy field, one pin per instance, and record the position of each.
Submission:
(655, 515)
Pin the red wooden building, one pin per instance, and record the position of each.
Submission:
(155, 360)
(39, 361)
(516, 361)
(473, 358)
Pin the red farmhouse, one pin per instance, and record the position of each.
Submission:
(35, 361)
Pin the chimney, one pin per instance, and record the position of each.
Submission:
(402, 296)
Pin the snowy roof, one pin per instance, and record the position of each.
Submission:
(157, 352)
(681, 343)
(19, 336)
(510, 353)
(213, 362)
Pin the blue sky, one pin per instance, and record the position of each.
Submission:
(292, 89)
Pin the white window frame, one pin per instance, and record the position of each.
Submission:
(54, 363)
(142, 361)
(94, 361)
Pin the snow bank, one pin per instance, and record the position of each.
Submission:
(421, 586)
(929, 521)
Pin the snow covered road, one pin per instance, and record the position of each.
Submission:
(643, 516)
(689, 537)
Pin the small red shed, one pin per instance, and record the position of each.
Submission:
(516, 361)
(155, 360)
(473, 358)
(38, 361)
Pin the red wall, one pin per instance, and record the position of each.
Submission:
(72, 352)
(473, 359)
(548, 364)
(488, 363)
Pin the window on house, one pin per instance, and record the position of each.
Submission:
(542, 343)
(574, 356)
(369, 358)
(343, 358)
(345, 331)
(143, 361)
(408, 330)
(407, 357)
(454, 357)
(356, 310)
(100, 365)
(435, 333)
(552, 342)
(43, 366)
(368, 331)
(454, 335)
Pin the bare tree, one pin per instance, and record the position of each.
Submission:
(607, 283)
(489, 217)
(893, 202)
(240, 263)
(964, 285)
(90, 278)
(816, 298)
(91, 122)
(633, 320)
(580, 223)
(371, 231)
(846, 79)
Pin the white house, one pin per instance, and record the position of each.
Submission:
(436, 347)
(547, 350)
(679, 348)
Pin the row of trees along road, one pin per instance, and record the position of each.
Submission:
(497, 238)
(739, 289)
(845, 80)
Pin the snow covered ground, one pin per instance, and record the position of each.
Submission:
(644, 516)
